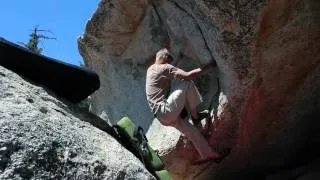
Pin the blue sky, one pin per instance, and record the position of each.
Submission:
(65, 18)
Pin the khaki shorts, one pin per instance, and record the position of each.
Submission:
(183, 93)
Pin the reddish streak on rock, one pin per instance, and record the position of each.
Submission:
(284, 56)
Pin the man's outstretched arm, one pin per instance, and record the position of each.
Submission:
(193, 74)
(190, 75)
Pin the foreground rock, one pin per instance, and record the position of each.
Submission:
(41, 137)
(266, 99)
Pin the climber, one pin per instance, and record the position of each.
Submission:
(167, 106)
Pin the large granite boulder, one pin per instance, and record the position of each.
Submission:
(264, 92)
(43, 137)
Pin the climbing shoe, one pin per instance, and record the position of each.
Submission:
(205, 114)
(184, 113)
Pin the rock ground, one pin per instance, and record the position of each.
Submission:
(43, 137)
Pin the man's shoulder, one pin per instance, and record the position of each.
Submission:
(157, 66)
(167, 66)
(161, 67)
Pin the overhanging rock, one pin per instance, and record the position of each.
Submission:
(67, 81)
(266, 99)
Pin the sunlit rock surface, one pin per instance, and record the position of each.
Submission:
(43, 137)
(264, 92)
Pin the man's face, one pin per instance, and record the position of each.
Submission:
(169, 59)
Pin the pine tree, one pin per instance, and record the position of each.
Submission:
(33, 42)
(35, 37)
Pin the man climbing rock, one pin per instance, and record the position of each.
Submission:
(167, 106)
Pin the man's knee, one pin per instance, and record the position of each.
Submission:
(168, 119)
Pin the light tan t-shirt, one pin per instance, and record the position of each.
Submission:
(157, 84)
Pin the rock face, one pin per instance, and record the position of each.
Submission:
(264, 92)
(41, 137)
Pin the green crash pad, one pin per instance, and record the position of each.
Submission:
(139, 146)
(128, 127)
(163, 175)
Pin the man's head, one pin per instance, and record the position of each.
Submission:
(163, 56)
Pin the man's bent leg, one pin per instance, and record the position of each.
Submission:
(174, 104)
(193, 134)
